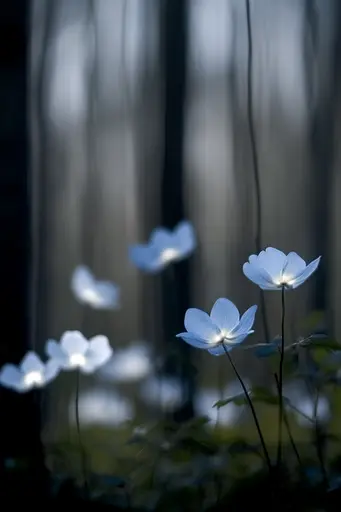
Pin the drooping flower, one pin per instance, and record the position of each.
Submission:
(164, 247)
(272, 269)
(74, 351)
(97, 294)
(30, 373)
(222, 329)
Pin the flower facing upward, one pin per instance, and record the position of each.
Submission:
(30, 373)
(272, 269)
(164, 247)
(76, 352)
(222, 330)
(97, 294)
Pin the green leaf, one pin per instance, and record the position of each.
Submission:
(265, 396)
(316, 341)
(236, 399)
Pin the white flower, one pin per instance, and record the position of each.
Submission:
(272, 269)
(31, 373)
(76, 352)
(130, 364)
(164, 247)
(222, 329)
(97, 294)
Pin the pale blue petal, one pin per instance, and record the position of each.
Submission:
(194, 340)
(246, 322)
(11, 377)
(54, 350)
(219, 350)
(309, 270)
(31, 363)
(199, 323)
(81, 281)
(162, 239)
(52, 369)
(145, 258)
(99, 351)
(225, 314)
(185, 238)
(73, 342)
(108, 295)
(238, 339)
(273, 261)
(294, 266)
(258, 276)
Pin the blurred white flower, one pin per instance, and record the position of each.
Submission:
(76, 352)
(220, 331)
(272, 269)
(97, 294)
(163, 392)
(164, 247)
(225, 416)
(130, 364)
(31, 373)
(101, 407)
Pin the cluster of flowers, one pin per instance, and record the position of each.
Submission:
(218, 332)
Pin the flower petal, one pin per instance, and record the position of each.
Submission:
(237, 340)
(273, 261)
(246, 322)
(82, 280)
(161, 239)
(54, 350)
(259, 276)
(294, 266)
(199, 323)
(184, 237)
(145, 258)
(52, 369)
(11, 377)
(225, 314)
(219, 350)
(309, 270)
(99, 351)
(108, 295)
(31, 363)
(73, 342)
(194, 340)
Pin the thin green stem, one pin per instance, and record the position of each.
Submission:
(287, 424)
(81, 448)
(253, 411)
(280, 383)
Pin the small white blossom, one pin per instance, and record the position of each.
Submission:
(164, 247)
(97, 294)
(222, 330)
(76, 352)
(30, 373)
(272, 269)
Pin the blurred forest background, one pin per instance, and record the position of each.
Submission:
(138, 115)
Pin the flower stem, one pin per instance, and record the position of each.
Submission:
(280, 383)
(253, 411)
(81, 448)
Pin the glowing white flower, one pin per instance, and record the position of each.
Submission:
(272, 269)
(97, 294)
(222, 330)
(164, 247)
(130, 364)
(76, 352)
(31, 373)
